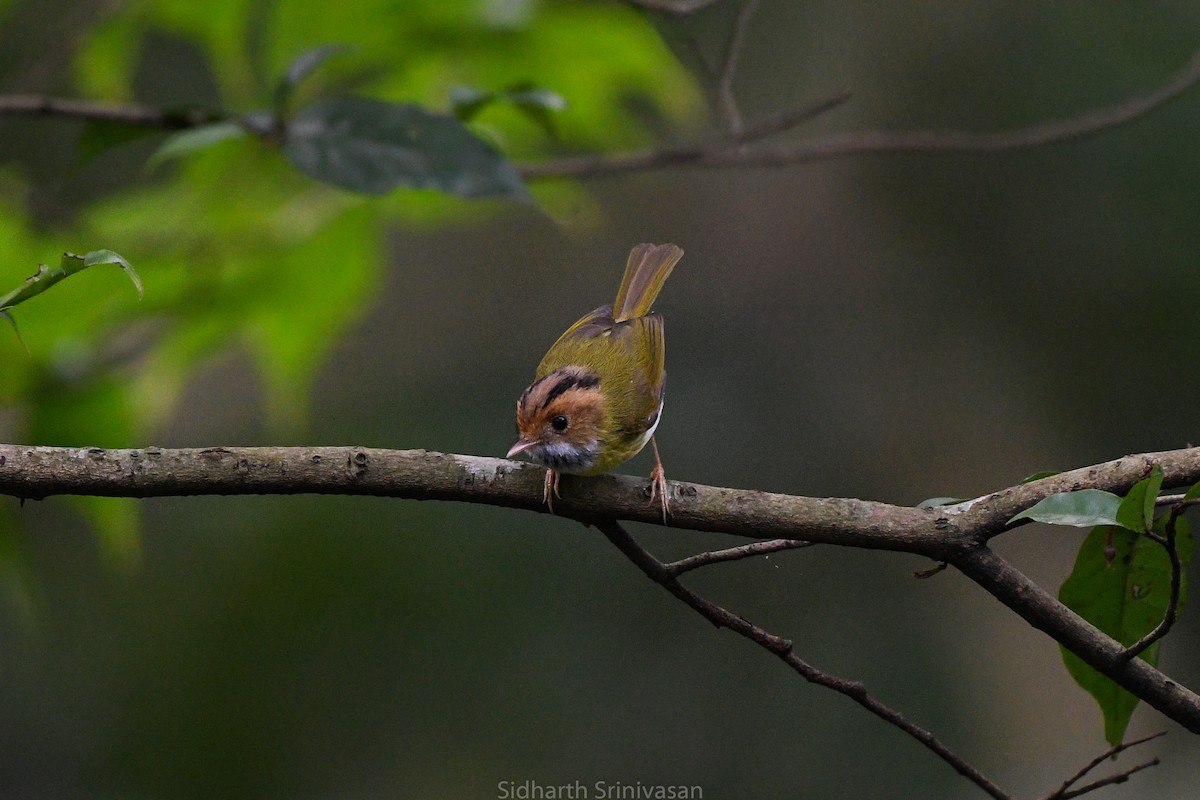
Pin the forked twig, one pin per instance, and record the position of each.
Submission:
(781, 647)
(1065, 791)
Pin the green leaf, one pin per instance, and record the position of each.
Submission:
(1037, 476)
(98, 258)
(1121, 584)
(1137, 509)
(9, 317)
(301, 67)
(1082, 509)
(1192, 493)
(467, 101)
(533, 101)
(372, 147)
(199, 138)
(538, 104)
(45, 277)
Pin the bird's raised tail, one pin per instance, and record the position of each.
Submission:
(647, 271)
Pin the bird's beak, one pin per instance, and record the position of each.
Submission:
(521, 446)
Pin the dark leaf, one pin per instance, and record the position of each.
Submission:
(373, 147)
(1037, 476)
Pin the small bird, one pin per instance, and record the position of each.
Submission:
(597, 396)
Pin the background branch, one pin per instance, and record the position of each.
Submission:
(39, 105)
(730, 150)
(733, 51)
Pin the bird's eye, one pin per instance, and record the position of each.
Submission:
(560, 423)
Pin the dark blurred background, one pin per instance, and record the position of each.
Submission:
(883, 327)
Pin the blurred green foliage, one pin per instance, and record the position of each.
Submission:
(239, 250)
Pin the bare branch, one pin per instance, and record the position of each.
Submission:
(661, 574)
(36, 472)
(1064, 791)
(677, 568)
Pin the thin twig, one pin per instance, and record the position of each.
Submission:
(786, 120)
(1173, 499)
(733, 51)
(1065, 791)
(1161, 629)
(781, 647)
(1111, 780)
(677, 568)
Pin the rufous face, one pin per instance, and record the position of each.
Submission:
(560, 418)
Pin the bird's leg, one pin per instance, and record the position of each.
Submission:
(551, 485)
(658, 482)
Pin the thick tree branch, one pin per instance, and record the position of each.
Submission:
(955, 534)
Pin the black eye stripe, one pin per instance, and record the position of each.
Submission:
(567, 382)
